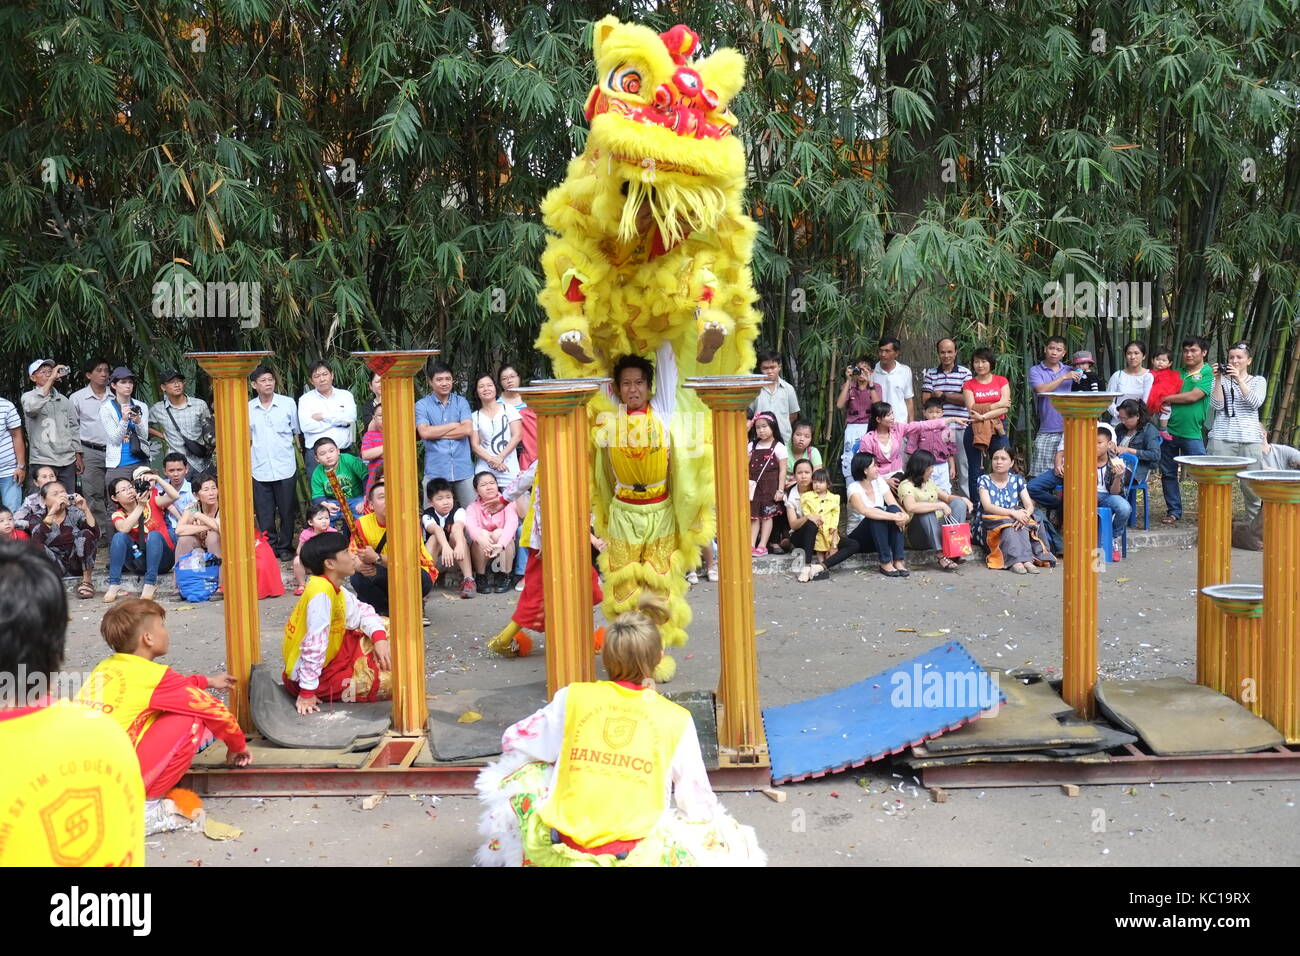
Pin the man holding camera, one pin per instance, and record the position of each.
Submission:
(184, 422)
(126, 428)
(52, 429)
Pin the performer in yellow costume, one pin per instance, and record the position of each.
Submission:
(650, 257)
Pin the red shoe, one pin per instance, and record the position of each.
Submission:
(1114, 554)
(298, 590)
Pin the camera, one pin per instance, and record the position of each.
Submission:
(1223, 369)
(855, 369)
(142, 486)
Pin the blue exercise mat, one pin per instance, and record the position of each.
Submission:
(911, 702)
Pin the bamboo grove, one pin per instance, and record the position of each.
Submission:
(918, 167)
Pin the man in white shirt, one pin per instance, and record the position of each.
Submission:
(273, 423)
(326, 412)
(895, 380)
(87, 403)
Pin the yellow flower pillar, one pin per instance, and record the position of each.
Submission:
(396, 371)
(1079, 600)
(1214, 476)
(1280, 697)
(1243, 649)
(741, 739)
(229, 372)
(564, 490)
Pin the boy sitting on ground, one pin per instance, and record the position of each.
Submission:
(444, 523)
(335, 646)
(168, 717)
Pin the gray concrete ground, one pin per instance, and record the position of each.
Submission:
(812, 638)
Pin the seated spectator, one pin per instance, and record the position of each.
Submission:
(766, 468)
(370, 544)
(7, 529)
(1132, 381)
(1138, 435)
(32, 509)
(447, 540)
(1011, 534)
(940, 445)
(168, 717)
(141, 542)
(68, 534)
(881, 528)
(1111, 482)
(492, 524)
(803, 527)
(372, 445)
(821, 502)
(988, 399)
(497, 432)
(886, 442)
(74, 756)
(348, 487)
(927, 503)
(200, 524)
(175, 469)
(318, 522)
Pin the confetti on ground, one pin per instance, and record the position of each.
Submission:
(469, 717)
(216, 830)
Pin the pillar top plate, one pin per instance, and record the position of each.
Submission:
(555, 396)
(1083, 404)
(1213, 469)
(726, 392)
(227, 364)
(1283, 486)
(398, 362)
(1240, 600)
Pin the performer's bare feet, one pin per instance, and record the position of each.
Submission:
(571, 344)
(710, 341)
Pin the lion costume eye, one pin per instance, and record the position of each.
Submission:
(626, 80)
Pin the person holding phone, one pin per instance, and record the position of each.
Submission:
(52, 427)
(126, 428)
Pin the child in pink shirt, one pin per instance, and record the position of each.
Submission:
(318, 522)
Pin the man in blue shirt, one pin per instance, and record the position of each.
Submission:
(442, 421)
(273, 423)
(1046, 378)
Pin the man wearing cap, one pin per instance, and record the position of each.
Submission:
(182, 421)
(88, 402)
(51, 424)
(126, 428)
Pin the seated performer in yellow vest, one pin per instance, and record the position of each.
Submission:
(70, 793)
(641, 531)
(586, 780)
(335, 646)
(370, 545)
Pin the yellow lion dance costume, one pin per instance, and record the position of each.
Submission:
(650, 256)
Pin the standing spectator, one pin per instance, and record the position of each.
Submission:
(273, 423)
(1186, 422)
(988, 399)
(508, 378)
(497, 432)
(766, 468)
(880, 530)
(443, 423)
(777, 396)
(858, 393)
(326, 412)
(372, 400)
(895, 381)
(52, 428)
(1132, 381)
(88, 402)
(68, 535)
(1138, 435)
(1009, 526)
(928, 504)
(1237, 397)
(126, 427)
(945, 382)
(184, 422)
(886, 442)
(13, 456)
(372, 444)
(1045, 378)
(801, 446)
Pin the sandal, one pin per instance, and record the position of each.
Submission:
(1019, 569)
(758, 552)
(85, 590)
(948, 564)
(1169, 519)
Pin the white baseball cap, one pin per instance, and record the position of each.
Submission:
(31, 369)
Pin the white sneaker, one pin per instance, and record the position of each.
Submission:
(692, 577)
(520, 585)
(797, 562)
(713, 574)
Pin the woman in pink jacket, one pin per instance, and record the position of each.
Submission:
(886, 438)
